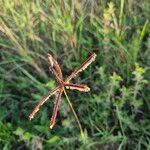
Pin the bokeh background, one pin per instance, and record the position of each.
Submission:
(115, 114)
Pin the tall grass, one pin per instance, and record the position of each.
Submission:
(115, 114)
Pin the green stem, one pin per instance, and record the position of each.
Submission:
(73, 111)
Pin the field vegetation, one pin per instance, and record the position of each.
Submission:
(115, 114)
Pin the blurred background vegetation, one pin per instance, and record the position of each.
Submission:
(115, 114)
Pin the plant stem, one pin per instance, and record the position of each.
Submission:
(73, 111)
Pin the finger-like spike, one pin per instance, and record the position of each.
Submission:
(82, 67)
(44, 99)
(55, 68)
(55, 110)
(79, 87)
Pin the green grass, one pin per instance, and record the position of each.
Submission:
(115, 114)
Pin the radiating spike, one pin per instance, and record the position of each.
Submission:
(44, 99)
(82, 67)
(55, 110)
(79, 87)
(55, 68)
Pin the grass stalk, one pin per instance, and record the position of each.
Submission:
(73, 111)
